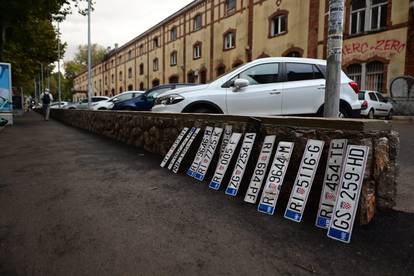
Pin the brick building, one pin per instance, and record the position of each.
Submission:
(210, 37)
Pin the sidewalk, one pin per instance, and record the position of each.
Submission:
(73, 203)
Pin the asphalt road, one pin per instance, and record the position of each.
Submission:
(73, 203)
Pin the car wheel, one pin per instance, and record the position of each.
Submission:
(390, 114)
(102, 108)
(127, 108)
(343, 113)
(371, 114)
(71, 108)
(203, 110)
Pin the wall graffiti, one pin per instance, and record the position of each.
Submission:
(381, 45)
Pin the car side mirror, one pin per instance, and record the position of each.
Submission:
(240, 83)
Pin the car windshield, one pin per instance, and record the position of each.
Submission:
(361, 95)
(155, 93)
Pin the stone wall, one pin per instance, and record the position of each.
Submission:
(156, 132)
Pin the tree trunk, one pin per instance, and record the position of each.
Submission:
(2, 38)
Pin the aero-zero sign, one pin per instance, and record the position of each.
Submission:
(330, 184)
(304, 179)
(346, 205)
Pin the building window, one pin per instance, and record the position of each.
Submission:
(278, 25)
(197, 22)
(141, 49)
(367, 15)
(229, 40)
(141, 69)
(130, 87)
(156, 42)
(129, 72)
(221, 69)
(203, 75)
(112, 63)
(155, 82)
(191, 78)
(120, 59)
(173, 58)
(129, 54)
(230, 6)
(155, 64)
(197, 50)
(106, 80)
(369, 76)
(112, 78)
(141, 86)
(173, 33)
(120, 75)
(173, 79)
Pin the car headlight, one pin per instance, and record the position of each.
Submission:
(169, 99)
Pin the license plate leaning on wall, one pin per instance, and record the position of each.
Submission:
(337, 151)
(224, 161)
(181, 147)
(304, 179)
(346, 205)
(275, 178)
(241, 164)
(260, 169)
(173, 147)
(185, 150)
(200, 152)
(209, 153)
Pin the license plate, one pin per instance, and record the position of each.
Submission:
(260, 169)
(337, 150)
(173, 147)
(181, 147)
(209, 153)
(275, 178)
(185, 150)
(346, 205)
(200, 152)
(228, 130)
(224, 161)
(304, 179)
(241, 164)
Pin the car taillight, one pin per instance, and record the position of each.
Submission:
(364, 105)
(354, 86)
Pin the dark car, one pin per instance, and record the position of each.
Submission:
(145, 101)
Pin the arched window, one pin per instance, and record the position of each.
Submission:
(173, 79)
(203, 75)
(375, 76)
(155, 82)
(221, 69)
(354, 71)
(130, 87)
(141, 86)
(237, 63)
(229, 40)
(191, 78)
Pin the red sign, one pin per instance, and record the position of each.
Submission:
(382, 45)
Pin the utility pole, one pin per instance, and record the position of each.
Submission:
(41, 81)
(89, 57)
(59, 83)
(333, 76)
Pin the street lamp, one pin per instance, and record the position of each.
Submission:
(58, 19)
(89, 57)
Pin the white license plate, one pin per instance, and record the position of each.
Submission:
(209, 153)
(181, 147)
(173, 147)
(337, 150)
(275, 178)
(260, 169)
(304, 179)
(346, 205)
(228, 130)
(185, 150)
(200, 152)
(224, 161)
(241, 164)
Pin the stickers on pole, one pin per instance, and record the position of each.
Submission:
(346, 205)
(185, 150)
(275, 178)
(228, 130)
(241, 164)
(208, 155)
(224, 161)
(200, 153)
(330, 185)
(173, 147)
(181, 147)
(304, 179)
(260, 169)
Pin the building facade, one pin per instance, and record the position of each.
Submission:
(208, 38)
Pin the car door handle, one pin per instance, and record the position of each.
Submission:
(322, 87)
(274, 92)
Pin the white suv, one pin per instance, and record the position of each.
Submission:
(268, 86)
(373, 104)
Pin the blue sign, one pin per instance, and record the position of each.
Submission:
(5, 88)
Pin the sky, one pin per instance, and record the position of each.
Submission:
(116, 21)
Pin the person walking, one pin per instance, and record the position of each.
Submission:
(46, 98)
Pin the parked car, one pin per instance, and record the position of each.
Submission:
(145, 101)
(84, 103)
(108, 104)
(56, 104)
(373, 104)
(268, 86)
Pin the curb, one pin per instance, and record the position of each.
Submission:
(403, 118)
